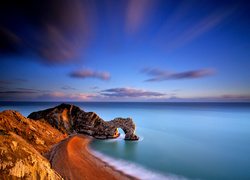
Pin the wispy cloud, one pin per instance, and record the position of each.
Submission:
(90, 73)
(70, 97)
(85, 96)
(235, 97)
(219, 98)
(21, 80)
(68, 88)
(23, 91)
(201, 27)
(133, 94)
(129, 92)
(12, 81)
(5, 82)
(96, 87)
(18, 92)
(163, 75)
(58, 94)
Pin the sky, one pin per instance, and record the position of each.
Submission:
(125, 50)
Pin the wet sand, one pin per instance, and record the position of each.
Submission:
(72, 160)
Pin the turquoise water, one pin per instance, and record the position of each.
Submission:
(177, 140)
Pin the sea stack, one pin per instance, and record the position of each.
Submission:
(72, 120)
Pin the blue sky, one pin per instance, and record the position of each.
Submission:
(128, 50)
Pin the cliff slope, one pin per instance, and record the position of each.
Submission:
(22, 141)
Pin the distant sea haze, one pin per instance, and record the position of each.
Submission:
(177, 140)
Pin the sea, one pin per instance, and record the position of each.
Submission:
(178, 141)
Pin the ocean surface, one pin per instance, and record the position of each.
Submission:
(207, 141)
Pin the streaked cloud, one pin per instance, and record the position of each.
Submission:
(235, 97)
(15, 94)
(96, 87)
(155, 71)
(68, 88)
(18, 92)
(5, 82)
(129, 92)
(85, 96)
(23, 91)
(58, 94)
(20, 80)
(163, 75)
(219, 98)
(56, 32)
(12, 81)
(137, 14)
(201, 27)
(90, 73)
(69, 97)
(179, 30)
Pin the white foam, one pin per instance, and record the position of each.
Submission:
(136, 170)
(122, 137)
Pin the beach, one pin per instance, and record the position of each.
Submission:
(72, 159)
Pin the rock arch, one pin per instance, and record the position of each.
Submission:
(126, 124)
(72, 119)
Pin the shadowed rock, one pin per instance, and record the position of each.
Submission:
(72, 119)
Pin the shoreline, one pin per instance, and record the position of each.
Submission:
(72, 159)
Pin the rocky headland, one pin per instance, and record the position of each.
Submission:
(71, 119)
(25, 142)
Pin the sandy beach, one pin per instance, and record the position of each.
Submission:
(72, 159)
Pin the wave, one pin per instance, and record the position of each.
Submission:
(136, 170)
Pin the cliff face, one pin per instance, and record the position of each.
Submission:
(21, 143)
(72, 119)
(39, 134)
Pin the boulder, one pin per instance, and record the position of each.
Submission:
(71, 119)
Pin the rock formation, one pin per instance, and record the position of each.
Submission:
(71, 119)
(22, 141)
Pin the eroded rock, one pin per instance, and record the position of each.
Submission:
(72, 119)
(39, 134)
(21, 143)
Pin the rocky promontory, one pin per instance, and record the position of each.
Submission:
(71, 119)
(25, 142)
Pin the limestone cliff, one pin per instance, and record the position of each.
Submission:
(22, 141)
(73, 120)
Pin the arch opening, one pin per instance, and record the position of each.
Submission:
(121, 133)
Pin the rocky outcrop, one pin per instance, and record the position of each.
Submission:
(21, 143)
(109, 129)
(39, 134)
(71, 119)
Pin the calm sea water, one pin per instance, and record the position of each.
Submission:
(177, 140)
